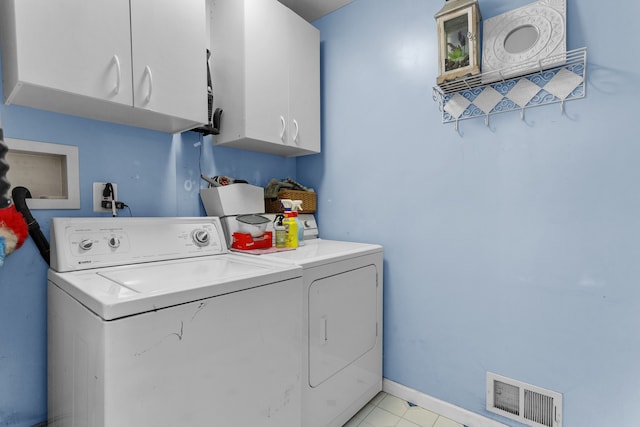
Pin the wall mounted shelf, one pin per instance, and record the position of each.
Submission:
(555, 79)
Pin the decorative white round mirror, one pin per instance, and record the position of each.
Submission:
(521, 39)
(524, 39)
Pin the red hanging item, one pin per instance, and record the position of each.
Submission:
(13, 228)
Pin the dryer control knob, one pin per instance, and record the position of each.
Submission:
(86, 244)
(201, 237)
(114, 242)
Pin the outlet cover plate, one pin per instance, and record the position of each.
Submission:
(98, 188)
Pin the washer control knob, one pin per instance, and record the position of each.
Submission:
(86, 244)
(114, 242)
(307, 224)
(201, 237)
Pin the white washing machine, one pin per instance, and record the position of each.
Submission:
(342, 324)
(152, 322)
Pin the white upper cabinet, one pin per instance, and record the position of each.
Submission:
(56, 44)
(304, 86)
(138, 62)
(266, 77)
(170, 57)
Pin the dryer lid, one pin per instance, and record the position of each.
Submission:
(317, 252)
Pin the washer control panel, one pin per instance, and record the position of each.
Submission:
(83, 243)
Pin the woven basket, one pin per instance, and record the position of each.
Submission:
(308, 201)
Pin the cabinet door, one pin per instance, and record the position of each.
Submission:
(266, 77)
(169, 57)
(267, 70)
(75, 46)
(304, 86)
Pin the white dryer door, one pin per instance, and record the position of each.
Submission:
(342, 321)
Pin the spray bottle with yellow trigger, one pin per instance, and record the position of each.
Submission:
(290, 224)
(297, 207)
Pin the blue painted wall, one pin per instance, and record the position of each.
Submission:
(511, 249)
(158, 174)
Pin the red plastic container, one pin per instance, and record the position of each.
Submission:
(247, 241)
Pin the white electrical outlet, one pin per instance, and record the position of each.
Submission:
(98, 188)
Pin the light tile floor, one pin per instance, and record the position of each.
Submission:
(386, 410)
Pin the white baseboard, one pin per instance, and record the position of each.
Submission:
(455, 413)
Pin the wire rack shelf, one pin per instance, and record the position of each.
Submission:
(552, 80)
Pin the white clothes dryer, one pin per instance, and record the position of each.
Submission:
(342, 324)
(152, 322)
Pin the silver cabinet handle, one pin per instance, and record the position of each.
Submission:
(147, 71)
(283, 126)
(116, 61)
(295, 135)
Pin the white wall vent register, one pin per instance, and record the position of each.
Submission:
(528, 404)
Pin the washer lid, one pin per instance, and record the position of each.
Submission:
(117, 292)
